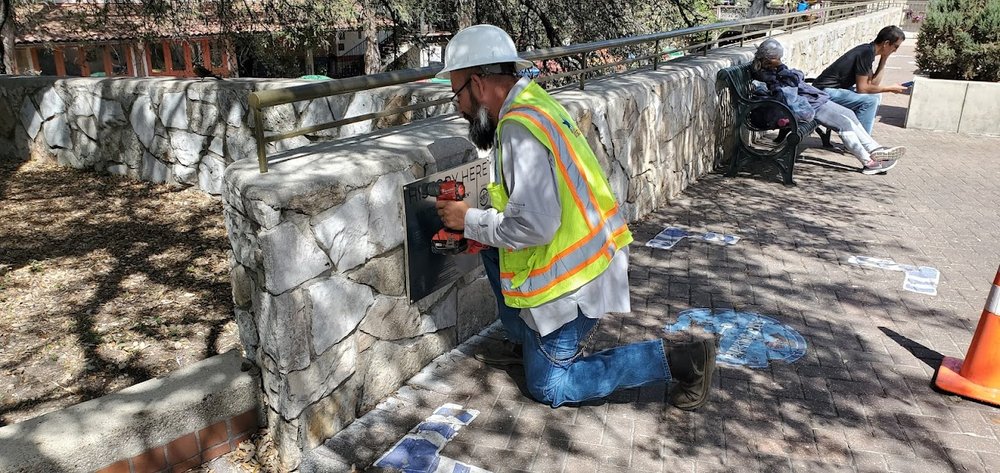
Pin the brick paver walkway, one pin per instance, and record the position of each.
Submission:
(859, 400)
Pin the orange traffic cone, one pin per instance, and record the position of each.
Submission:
(978, 376)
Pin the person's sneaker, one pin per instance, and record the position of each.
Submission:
(878, 167)
(885, 154)
(508, 354)
(692, 366)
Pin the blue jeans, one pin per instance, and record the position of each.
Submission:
(863, 105)
(554, 369)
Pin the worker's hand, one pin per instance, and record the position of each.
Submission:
(452, 213)
(897, 88)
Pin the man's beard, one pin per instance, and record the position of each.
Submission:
(481, 131)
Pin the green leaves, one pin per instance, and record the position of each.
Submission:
(960, 39)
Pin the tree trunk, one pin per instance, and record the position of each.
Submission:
(7, 36)
(310, 62)
(369, 30)
(757, 8)
(463, 14)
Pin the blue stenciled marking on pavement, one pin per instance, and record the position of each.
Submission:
(462, 415)
(419, 451)
(411, 455)
(747, 339)
(669, 237)
(442, 428)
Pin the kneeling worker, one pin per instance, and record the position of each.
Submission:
(559, 260)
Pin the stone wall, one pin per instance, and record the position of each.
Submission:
(317, 241)
(178, 131)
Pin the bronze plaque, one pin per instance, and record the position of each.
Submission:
(427, 272)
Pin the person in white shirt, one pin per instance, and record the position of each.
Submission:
(559, 260)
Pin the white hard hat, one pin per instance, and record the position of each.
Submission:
(480, 45)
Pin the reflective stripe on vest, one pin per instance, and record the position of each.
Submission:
(602, 232)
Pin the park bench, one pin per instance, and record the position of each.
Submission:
(754, 115)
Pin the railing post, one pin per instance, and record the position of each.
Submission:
(656, 55)
(583, 62)
(258, 134)
(743, 32)
(705, 51)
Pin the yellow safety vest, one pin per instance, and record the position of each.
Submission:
(591, 228)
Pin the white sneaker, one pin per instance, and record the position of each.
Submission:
(878, 167)
(884, 153)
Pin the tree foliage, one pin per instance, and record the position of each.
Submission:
(960, 39)
(273, 33)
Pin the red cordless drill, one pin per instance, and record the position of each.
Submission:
(447, 241)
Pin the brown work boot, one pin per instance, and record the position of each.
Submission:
(508, 354)
(692, 366)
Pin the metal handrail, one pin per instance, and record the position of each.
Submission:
(274, 97)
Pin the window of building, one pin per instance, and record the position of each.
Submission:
(218, 47)
(72, 60)
(47, 62)
(22, 61)
(95, 61)
(341, 35)
(340, 46)
(119, 59)
(197, 52)
(157, 60)
(177, 57)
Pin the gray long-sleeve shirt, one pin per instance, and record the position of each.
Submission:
(532, 217)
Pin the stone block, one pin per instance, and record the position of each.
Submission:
(30, 118)
(240, 144)
(385, 217)
(442, 314)
(210, 171)
(249, 337)
(204, 118)
(283, 322)
(319, 379)
(218, 144)
(477, 308)
(386, 273)
(936, 104)
(109, 113)
(57, 133)
(235, 114)
(330, 414)
(242, 238)
(338, 305)
(87, 125)
(285, 434)
(51, 104)
(390, 363)
(186, 147)
(981, 114)
(173, 110)
(289, 257)
(153, 170)
(317, 112)
(339, 233)
(143, 120)
(81, 103)
(8, 120)
(392, 318)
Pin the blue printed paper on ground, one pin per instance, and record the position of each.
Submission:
(419, 451)
(747, 339)
(919, 279)
(671, 235)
